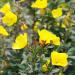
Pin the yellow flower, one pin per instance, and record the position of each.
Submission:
(45, 66)
(57, 12)
(20, 42)
(22, 0)
(48, 37)
(24, 27)
(3, 31)
(9, 19)
(48, 62)
(6, 8)
(63, 25)
(37, 23)
(59, 59)
(39, 4)
(56, 40)
(36, 26)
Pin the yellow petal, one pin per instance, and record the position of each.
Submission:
(20, 42)
(3, 31)
(48, 37)
(44, 68)
(57, 12)
(9, 19)
(36, 26)
(48, 62)
(59, 59)
(6, 8)
(39, 4)
(63, 25)
(56, 41)
(24, 27)
(22, 0)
